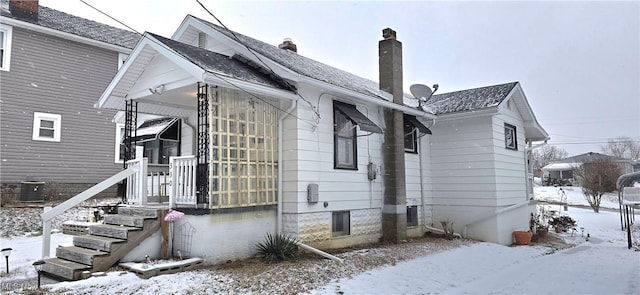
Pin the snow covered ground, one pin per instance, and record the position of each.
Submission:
(600, 265)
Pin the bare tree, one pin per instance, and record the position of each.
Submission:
(622, 147)
(545, 155)
(596, 178)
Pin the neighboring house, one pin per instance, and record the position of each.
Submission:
(283, 143)
(562, 172)
(636, 165)
(53, 67)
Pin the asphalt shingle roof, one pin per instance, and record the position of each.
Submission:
(64, 22)
(304, 65)
(219, 64)
(470, 99)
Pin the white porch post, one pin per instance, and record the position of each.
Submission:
(46, 235)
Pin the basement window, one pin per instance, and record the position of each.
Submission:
(340, 223)
(46, 127)
(510, 137)
(412, 215)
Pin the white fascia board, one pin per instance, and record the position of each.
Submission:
(196, 71)
(64, 35)
(233, 83)
(339, 91)
(533, 122)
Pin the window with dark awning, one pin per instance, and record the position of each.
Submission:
(416, 123)
(163, 128)
(357, 117)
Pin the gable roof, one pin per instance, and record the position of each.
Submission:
(470, 99)
(303, 65)
(219, 64)
(71, 24)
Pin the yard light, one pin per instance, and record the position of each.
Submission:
(39, 265)
(6, 252)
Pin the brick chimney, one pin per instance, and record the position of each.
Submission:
(394, 210)
(288, 45)
(24, 9)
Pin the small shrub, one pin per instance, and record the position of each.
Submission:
(276, 248)
(447, 227)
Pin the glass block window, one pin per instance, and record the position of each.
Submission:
(244, 151)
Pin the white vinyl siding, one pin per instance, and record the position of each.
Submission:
(308, 157)
(5, 47)
(46, 127)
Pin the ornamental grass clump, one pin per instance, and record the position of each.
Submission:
(276, 248)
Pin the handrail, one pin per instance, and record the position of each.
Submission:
(51, 213)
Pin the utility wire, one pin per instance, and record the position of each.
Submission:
(313, 108)
(314, 123)
(107, 15)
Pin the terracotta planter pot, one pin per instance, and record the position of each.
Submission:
(522, 237)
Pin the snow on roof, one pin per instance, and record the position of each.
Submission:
(303, 65)
(67, 23)
(560, 166)
(219, 64)
(464, 100)
(470, 99)
(590, 157)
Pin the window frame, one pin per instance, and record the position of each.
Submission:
(410, 135)
(119, 145)
(510, 130)
(346, 223)
(5, 55)
(338, 138)
(37, 126)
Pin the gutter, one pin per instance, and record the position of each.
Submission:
(339, 91)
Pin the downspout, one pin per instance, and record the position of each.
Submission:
(496, 213)
(280, 164)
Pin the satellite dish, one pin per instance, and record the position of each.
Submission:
(421, 92)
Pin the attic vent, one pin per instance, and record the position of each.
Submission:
(202, 40)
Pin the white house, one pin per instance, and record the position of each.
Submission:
(283, 143)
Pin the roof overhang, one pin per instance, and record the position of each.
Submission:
(177, 82)
(532, 129)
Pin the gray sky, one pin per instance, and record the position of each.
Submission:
(578, 62)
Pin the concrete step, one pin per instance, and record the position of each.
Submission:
(111, 231)
(64, 269)
(128, 220)
(104, 244)
(78, 254)
(138, 211)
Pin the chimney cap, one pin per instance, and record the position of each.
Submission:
(388, 34)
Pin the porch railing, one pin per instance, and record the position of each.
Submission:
(137, 182)
(183, 181)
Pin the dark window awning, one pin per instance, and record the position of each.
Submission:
(357, 117)
(412, 120)
(163, 128)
